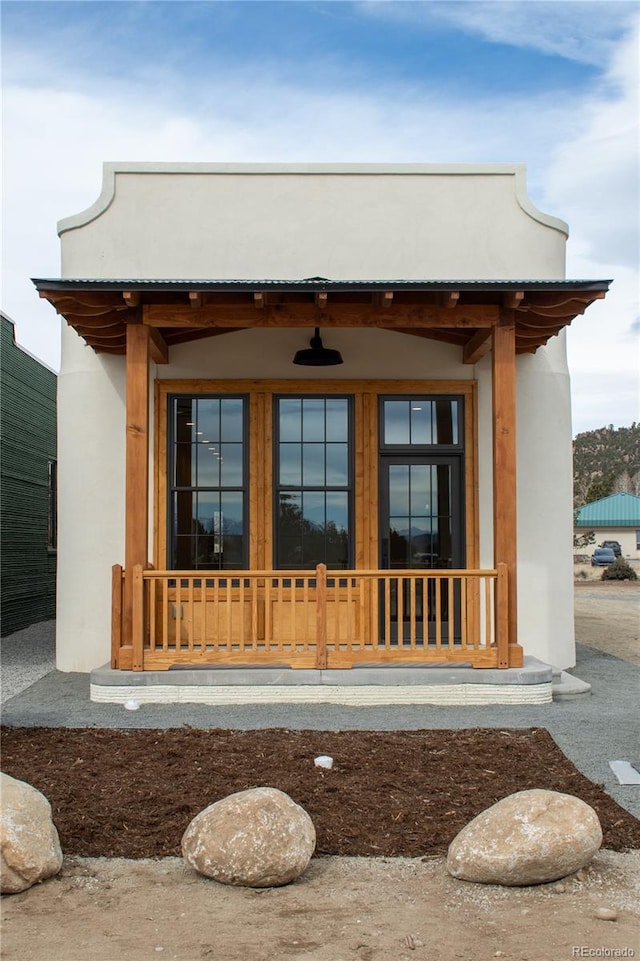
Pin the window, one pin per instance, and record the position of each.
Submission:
(313, 488)
(52, 528)
(422, 482)
(207, 483)
(420, 422)
(638, 540)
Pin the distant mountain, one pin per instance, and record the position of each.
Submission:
(606, 461)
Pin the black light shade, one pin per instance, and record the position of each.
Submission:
(317, 355)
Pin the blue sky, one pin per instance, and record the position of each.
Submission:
(551, 84)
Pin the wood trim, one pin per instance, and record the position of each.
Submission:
(371, 492)
(136, 463)
(502, 615)
(306, 315)
(476, 347)
(360, 482)
(138, 618)
(159, 478)
(260, 442)
(116, 613)
(504, 460)
(158, 347)
(282, 386)
(471, 483)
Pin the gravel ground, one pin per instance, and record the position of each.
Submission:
(25, 657)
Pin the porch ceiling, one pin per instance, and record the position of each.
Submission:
(458, 312)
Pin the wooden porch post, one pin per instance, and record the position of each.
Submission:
(504, 460)
(136, 465)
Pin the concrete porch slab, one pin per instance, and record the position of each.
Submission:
(365, 685)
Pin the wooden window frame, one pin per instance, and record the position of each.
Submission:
(171, 487)
(366, 435)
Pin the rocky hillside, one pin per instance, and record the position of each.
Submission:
(605, 461)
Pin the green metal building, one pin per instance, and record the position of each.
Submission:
(27, 486)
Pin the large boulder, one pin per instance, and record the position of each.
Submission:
(258, 838)
(29, 844)
(526, 838)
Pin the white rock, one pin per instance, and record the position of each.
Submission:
(526, 838)
(257, 838)
(323, 760)
(29, 843)
(605, 914)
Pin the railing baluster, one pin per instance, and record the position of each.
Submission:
(413, 612)
(241, 613)
(350, 611)
(463, 612)
(387, 611)
(191, 613)
(203, 614)
(280, 612)
(268, 609)
(254, 614)
(305, 614)
(229, 615)
(321, 617)
(292, 613)
(488, 608)
(138, 619)
(152, 613)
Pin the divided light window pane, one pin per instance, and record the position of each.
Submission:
(313, 484)
(207, 503)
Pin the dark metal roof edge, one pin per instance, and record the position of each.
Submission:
(315, 284)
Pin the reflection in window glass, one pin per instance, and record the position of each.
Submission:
(420, 516)
(207, 503)
(420, 422)
(313, 496)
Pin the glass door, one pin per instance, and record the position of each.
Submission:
(421, 529)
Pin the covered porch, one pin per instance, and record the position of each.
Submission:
(364, 612)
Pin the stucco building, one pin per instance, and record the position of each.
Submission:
(399, 493)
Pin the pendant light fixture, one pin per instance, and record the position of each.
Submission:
(316, 355)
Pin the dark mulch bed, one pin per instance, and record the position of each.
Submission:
(131, 794)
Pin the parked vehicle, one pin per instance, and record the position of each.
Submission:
(602, 557)
(615, 547)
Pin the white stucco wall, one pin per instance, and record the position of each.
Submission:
(91, 445)
(452, 223)
(337, 221)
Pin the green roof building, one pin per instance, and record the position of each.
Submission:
(614, 518)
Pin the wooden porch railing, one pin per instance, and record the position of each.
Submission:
(314, 619)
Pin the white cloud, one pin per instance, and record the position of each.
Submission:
(585, 32)
(594, 176)
(580, 155)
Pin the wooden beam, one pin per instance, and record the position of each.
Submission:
(259, 300)
(384, 299)
(136, 463)
(131, 297)
(476, 347)
(305, 315)
(513, 298)
(196, 298)
(158, 347)
(504, 460)
(450, 298)
(321, 299)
